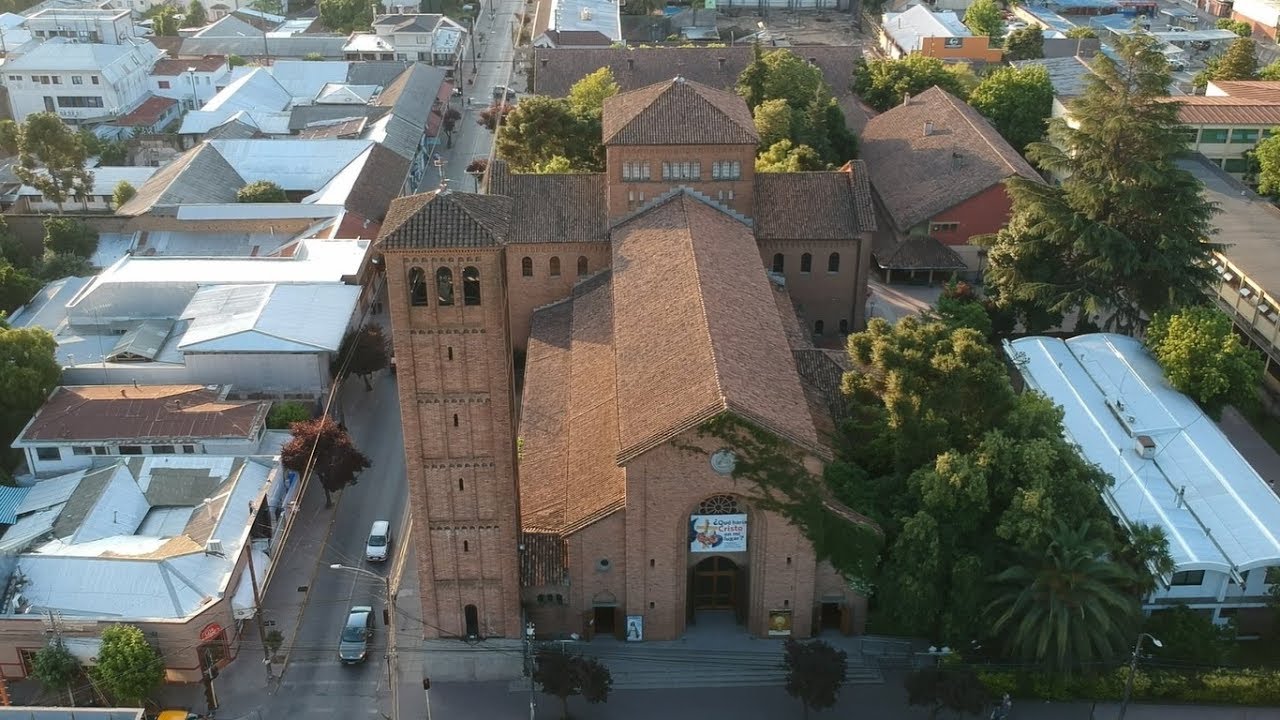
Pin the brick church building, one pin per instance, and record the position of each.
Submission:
(633, 305)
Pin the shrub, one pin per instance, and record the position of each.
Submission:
(1223, 686)
(285, 414)
(261, 191)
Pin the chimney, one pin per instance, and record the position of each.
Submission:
(906, 98)
(1145, 447)
(928, 128)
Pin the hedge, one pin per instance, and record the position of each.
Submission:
(1218, 687)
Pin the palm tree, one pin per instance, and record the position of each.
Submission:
(1069, 606)
(1147, 552)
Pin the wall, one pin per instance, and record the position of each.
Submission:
(529, 293)
(1229, 155)
(981, 214)
(625, 197)
(207, 84)
(821, 295)
(71, 461)
(294, 373)
(976, 49)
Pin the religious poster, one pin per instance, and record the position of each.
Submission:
(717, 533)
(779, 623)
(635, 628)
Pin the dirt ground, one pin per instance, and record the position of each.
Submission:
(800, 27)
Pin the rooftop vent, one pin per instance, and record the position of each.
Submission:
(213, 547)
(1145, 447)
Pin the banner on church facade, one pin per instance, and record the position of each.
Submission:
(717, 533)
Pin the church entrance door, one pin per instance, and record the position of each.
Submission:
(715, 582)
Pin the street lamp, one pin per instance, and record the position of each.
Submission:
(1133, 668)
(528, 643)
(390, 621)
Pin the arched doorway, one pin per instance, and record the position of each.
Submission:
(717, 578)
(715, 584)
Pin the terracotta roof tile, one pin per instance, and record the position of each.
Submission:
(697, 322)
(146, 114)
(918, 176)
(1218, 110)
(809, 205)
(150, 412)
(677, 112)
(553, 208)
(445, 219)
(543, 560)
(916, 252)
(1265, 90)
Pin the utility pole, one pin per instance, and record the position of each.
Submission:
(528, 653)
(257, 602)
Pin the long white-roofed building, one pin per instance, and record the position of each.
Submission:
(1172, 466)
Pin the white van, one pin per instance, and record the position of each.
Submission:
(378, 546)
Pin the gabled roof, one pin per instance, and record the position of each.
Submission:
(579, 212)
(175, 67)
(265, 318)
(918, 175)
(147, 114)
(909, 29)
(678, 112)
(381, 178)
(445, 219)
(811, 206)
(1220, 110)
(200, 175)
(1265, 90)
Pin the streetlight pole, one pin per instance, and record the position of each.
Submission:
(393, 668)
(1133, 668)
(528, 645)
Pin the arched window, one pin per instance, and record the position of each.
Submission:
(444, 285)
(417, 287)
(778, 262)
(806, 263)
(455, 420)
(817, 327)
(833, 263)
(460, 485)
(526, 266)
(472, 619)
(470, 285)
(555, 267)
(582, 265)
(719, 505)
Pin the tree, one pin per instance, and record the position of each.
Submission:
(751, 80)
(541, 127)
(494, 115)
(1270, 72)
(123, 193)
(1066, 607)
(1018, 101)
(1187, 636)
(883, 84)
(55, 667)
(815, 672)
(1239, 27)
(785, 157)
(956, 689)
(128, 668)
(773, 122)
(327, 446)
(344, 16)
(1080, 32)
(557, 165)
(271, 7)
(29, 371)
(587, 96)
(165, 22)
(985, 20)
(1239, 62)
(261, 191)
(51, 156)
(234, 60)
(1097, 244)
(64, 235)
(1267, 155)
(108, 152)
(17, 287)
(791, 78)
(363, 352)
(1201, 356)
(55, 266)
(196, 15)
(564, 675)
(1024, 44)
(317, 57)
(284, 414)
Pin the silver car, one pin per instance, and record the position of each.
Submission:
(354, 645)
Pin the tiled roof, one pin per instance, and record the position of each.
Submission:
(173, 67)
(918, 175)
(569, 476)
(678, 112)
(1265, 90)
(152, 412)
(1218, 110)
(916, 252)
(553, 208)
(543, 560)
(445, 219)
(810, 205)
(146, 114)
(696, 324)
(380, 181)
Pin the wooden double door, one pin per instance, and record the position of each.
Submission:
(717, 583)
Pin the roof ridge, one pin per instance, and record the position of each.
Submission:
(702, 310)
(980, 128)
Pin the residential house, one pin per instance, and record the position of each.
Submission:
(152, 116)
(81, 82)
(1230, 119)
(86, 25)
(427, 38)
(27, 199)
(1173, 468)
(919, 30)
(937, 170)
(79, 425)
(191, 82)
(255, 45)
(161, 543)
(1262, 15)
(577, 24)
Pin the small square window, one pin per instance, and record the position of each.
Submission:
(130, 449)
(1213, 136)
(49, 453)
(164, 84)
(94, 78)
(81, 450)
(189, 449)
(100, 450)
(77, 80)
(162, 450)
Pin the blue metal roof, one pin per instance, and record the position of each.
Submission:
(10, 499)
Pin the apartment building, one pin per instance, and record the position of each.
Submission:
(81, 82)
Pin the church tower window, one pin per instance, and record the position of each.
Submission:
(444, 285)
(417, 287)
(471, 286)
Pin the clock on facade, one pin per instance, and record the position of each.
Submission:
(723, 461)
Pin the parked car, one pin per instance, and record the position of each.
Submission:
(354, 645)
(378, 547)
(499, 91)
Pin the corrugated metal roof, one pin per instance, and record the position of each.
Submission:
(142, 342)
(264, 318)
(50, 493)
(11, 498)
(292, 164)
(1230, 111)
(909, 28)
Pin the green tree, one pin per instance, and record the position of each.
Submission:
(123, 193)
(284, 414)
(541, 128)
(128, 668)
(64, 235)
(1239, 62)
(883, 84)
(844, 144)
(815, 672)
(985, 19)
(344, 16)
(557, 165)
(197, 16)
(1080, 32)
(1201, 356)
(1270, 72)
(752, 79)
(108, 152)
(362, 353)
(261, 191)
(165, 22)
(55, 266)
(271, 7)
(773, 122)
(1024, 44)
(29, 371)
(51, 156)
(1190, 637)
(317, 57)
(55, 667)
(587, 96)
(785, 157)
(1147, 555)
(564, 675)
(788, 77)
(17, 287)
(1018, 101)
(234, 60)
(1097, 244)
(327, 448)
(1066, 606)
(1267, 155)
(1239, 27)
(957, 689)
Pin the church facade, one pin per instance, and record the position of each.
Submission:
(560, 344)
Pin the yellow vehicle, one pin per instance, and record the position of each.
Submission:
(177, 715)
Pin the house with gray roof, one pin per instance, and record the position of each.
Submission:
(415, 37)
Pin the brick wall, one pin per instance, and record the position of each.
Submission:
(527, 292)
(624, 197)
(455, 383)
(982, 214)
(821, 295)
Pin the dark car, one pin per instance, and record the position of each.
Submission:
(354, 645)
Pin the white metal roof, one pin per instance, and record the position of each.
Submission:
(909, 28)
(367, 42)
(114, 62)
(255, 90)
(105, 178)
(265, 318)
(293, 164)
(603, 16)
(1218, 513)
